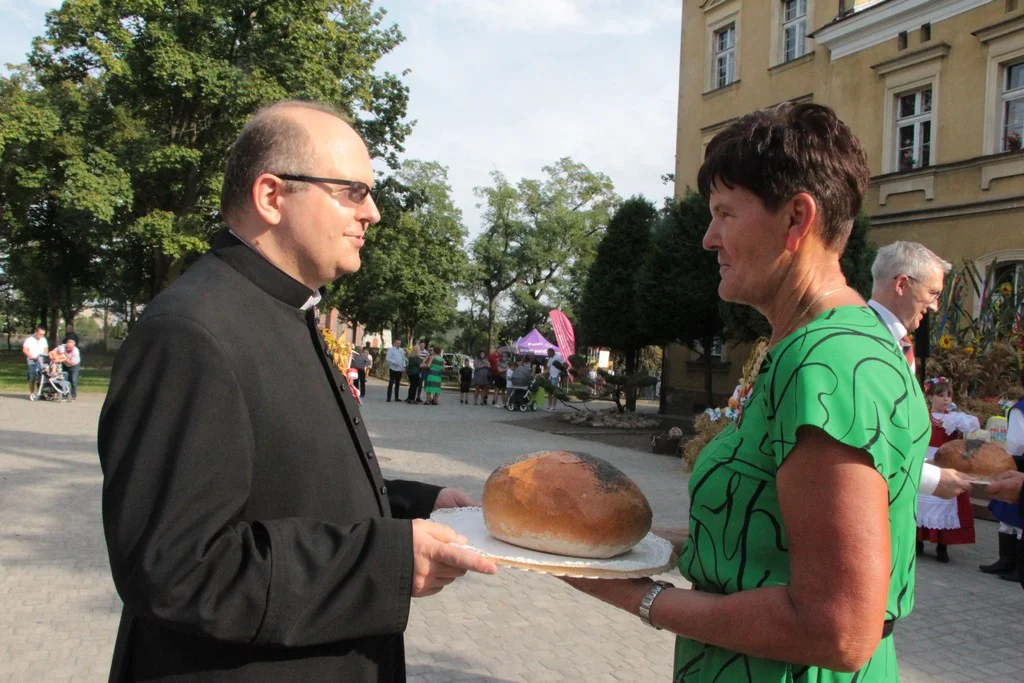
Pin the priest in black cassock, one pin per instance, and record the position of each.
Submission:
(251, 534)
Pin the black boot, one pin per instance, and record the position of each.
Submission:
(1007, 561)
(941, 553)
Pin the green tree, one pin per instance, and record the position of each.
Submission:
(608, 313)
(62, 194)
(566, 214)
(677, 287)
(181, 77)
(411, 258)
(499, 252)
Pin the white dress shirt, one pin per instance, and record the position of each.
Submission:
(931, 474)
(396, 358)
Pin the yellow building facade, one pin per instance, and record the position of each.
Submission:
(934, 89)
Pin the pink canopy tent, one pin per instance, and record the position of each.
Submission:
(533, 342)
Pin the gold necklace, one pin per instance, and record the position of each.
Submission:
(776, 338)
(816, 300)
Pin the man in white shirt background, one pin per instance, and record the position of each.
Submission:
(907, 280)
(34, 346)
(396, 366)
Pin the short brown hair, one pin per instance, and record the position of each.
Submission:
(269, 142)
(779, 151)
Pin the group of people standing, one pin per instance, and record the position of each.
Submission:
(424, 367)
(67, 357)
(494, 375)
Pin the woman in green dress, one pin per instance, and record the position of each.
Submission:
(800, 548)
(435, 369)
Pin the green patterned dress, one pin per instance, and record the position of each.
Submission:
(434, 373)
(844, 374)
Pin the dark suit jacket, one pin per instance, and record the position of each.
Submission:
(250, 532)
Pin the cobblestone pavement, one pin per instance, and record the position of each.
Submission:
(59, 611)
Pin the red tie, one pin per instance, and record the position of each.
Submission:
(908, 350)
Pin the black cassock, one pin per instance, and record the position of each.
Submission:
(251, 535)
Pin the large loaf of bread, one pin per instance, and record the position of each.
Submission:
(565, 503)
(982, 459)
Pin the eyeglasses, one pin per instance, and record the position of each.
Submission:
(357, 191)
(934, 294)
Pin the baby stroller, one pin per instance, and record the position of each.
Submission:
(522, 398)
(53, 382)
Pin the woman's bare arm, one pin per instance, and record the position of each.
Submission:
(835, 508)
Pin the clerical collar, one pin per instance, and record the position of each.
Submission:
(240, 255)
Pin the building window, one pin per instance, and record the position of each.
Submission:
(914, 129)
(794, 29)
(1013, 106)
(926, 33)
(724, 56)
(1008, 280)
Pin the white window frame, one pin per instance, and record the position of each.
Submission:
(727, 54)
(1018, 278)
(988, 263)
(915, 77)
(718, 19)
(798, 24)
(777, 41)
(1003, 51)
(916, 121)
(1006, 96)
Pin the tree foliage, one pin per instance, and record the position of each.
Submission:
(117, 129)
(608, 313)
(677, 287)
(411, 258)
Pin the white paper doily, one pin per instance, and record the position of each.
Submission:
(652, 555)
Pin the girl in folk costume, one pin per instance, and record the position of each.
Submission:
(944, 522)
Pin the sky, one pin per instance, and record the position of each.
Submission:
(514, 85)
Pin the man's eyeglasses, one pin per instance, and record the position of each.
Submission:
(357, 191)
(931, 292)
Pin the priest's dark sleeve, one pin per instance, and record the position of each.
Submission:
(191, 548)
(411, 499)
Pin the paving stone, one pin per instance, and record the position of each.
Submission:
(59, 611)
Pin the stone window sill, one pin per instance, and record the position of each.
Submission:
(708, 94)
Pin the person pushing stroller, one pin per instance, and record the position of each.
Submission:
(522, 396)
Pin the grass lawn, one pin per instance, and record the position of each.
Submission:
(94, 375)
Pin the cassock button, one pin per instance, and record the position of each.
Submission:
(383, 490)
(356, 420)
(369, 455)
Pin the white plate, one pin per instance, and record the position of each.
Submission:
(652, 555)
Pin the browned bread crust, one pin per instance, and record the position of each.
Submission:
(565, 503)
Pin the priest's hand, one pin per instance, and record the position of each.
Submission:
(454, 498)
(952, 484)
(1007, 486)
(436, 563)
